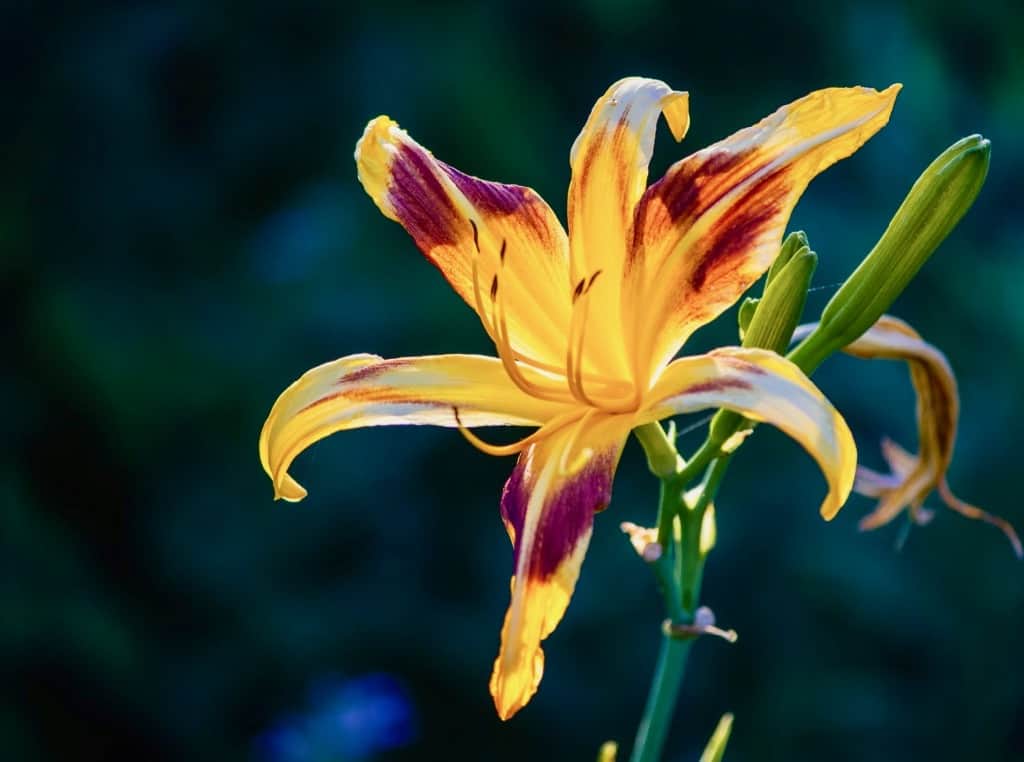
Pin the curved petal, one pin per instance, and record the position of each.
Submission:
(457, 221)
(706, 231)
(366, 390)
(913, 477)
(548, 507)
(938, 402)
(764, 387)
(609, 174)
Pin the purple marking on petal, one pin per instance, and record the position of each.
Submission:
(371, 371)
(717, 385)
(569, 514)
(488, 197)
(514, 498)
(688, 189)
(420, 201)
(734, 234)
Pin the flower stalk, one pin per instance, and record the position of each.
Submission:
(678, 570)
(939, 198)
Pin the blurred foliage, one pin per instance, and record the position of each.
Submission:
(183, 234)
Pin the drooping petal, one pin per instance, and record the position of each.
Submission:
(366, 390)
(938, 401)
(609, 174)
(768, 388)
(912, 478)
(456, 220)
(548, 506)
(706, 231)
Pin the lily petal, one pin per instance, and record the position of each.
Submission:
(548, 507)
(913, 477)
(938, 401)
(366, 390)
(713, 225)
(609, 174)
(764, 387)
(456, 220)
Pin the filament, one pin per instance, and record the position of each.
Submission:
(555, 423)
(574, 352)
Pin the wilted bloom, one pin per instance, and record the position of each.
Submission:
(586, 323)
(912, 478)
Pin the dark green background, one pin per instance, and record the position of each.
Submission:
(183, 234)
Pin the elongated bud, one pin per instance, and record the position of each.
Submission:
(778, 310)
(936, 203)
(746, 313)
(794, 242)
(775, 316)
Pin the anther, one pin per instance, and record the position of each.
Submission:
(494, 288)
(476, 236)
(593, 278)
(578, 291)
(501, 254)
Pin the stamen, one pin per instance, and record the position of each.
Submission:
(506, 353)
(476, 236)
(574, 353)
(578, 290)
(558, 422)
(490, 324)
(507, 356)
(577, 335)
(477, 297)
(496, 327)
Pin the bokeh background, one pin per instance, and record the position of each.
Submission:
(183, 234)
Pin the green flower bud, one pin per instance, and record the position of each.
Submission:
(775, 316)
(935, 204)
(794, 242)
(746, 313)
(778, 311)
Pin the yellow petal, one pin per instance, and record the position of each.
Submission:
(609, 174)
(714, 223)
(548, 506)
(768, 388)
(457, 221)
(366, 390)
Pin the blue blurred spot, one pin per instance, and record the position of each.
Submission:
(346, 721)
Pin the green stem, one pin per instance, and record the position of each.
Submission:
(661, 703)
(679, 572)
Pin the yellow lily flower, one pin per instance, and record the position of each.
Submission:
(912, 478)
(585, 324)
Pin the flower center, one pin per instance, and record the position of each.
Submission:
(535, 377)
